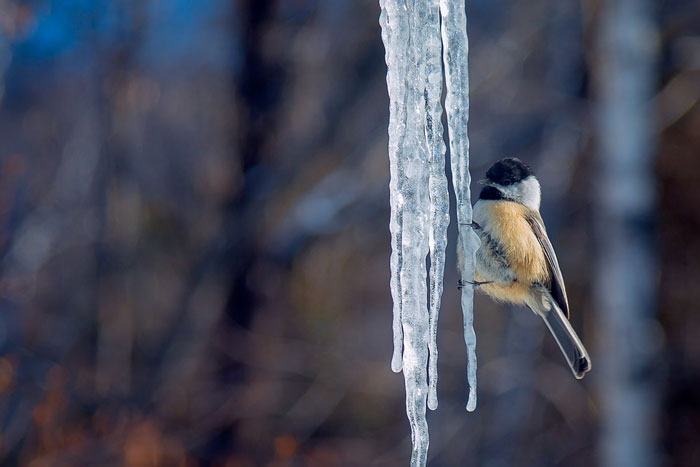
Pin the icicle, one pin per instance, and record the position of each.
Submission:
(419, 195)
(415, 237)
(455, 50)
(439, 195)
(394, 21)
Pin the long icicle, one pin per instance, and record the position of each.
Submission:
(439, 195)
(415, 237)
(394, 20)
(409, 203)
(455, 51)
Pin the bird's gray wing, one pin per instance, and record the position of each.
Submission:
(557, 288)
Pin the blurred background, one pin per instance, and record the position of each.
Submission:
(195, 247)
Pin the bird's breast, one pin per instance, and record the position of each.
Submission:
(506, 224)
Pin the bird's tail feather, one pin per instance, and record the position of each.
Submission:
(569, 342)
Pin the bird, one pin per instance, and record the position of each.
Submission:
(515, 262)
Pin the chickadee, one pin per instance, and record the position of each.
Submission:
(516, 262)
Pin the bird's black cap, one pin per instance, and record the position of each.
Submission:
(508, 171)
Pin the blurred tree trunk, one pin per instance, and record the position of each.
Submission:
(626, 264)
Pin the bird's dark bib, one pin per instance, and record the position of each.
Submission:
(491, 193)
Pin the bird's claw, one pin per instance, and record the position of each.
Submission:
(472, 224)
(463, 283)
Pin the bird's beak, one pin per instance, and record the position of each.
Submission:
(484, 182)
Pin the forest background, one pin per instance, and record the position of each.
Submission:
(194, 239)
